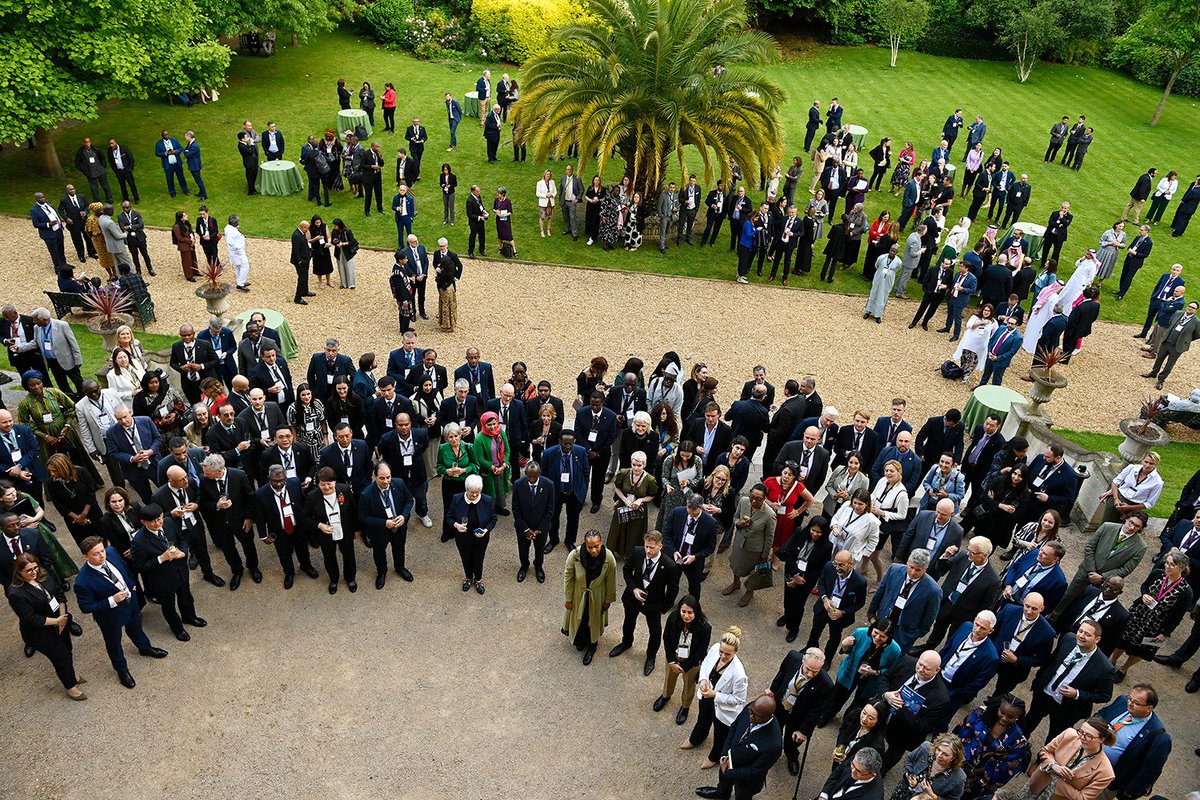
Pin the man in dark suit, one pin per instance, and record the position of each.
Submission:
(739, 209)
(277, 507)
(21, 456)
(478, 375)
(596, 428)
(1138, 196)
(691, 198)
(90, 162)
(1024, 639)
(812, 460)
(133, 442)
(226, 500)
(1183, 329)
(934, 285)
(716, 205)
(939, 435)
(405, 447)
(405, 358)
(626, 400)
(749, 419)
(753, 745)
(1018, 198)
(72, 211)
(889, 427)
(273, 377)
(249, 154)
(1073, 681)
(651, 584)
(121, 161)
(986, 441)
(1079, 323)
(690, 536)
(416, 135)
(220, 339)
(1056, 233)
(833, 182)
(324, 368)
(106, 589)
(272, 143)
(567, 466)
(369, 165)
(533, 406)
(18, 540)
(1101, 603)
(491, 133)
(841, 592)
(296, 460)
(194, 360)
(857, 438)
(225, 437)
(300, 258)
(178, 498)
(1135, 257)
(1039, 570)
(349, 458)
(1143, 744)
(512, 421)
(1012, 307)
(813, 125)
(759, 379)
(50, 229)
(801, 690)
(995, 284)
(934, 530)
(1164, 292)
(863, 781)
(1052, 484)
(477, 222)
(462, 408)
(786, 417)
(910, 597)
(970, 585)
(711, 436)
(418, 262)
(534, 502)
(428, 368)
(918, 712)
(257, 425)
(160, 558)
(383, 511)
(969, 661)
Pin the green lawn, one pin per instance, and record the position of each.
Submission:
(296, 88)
(91, 346)
(1179, 461)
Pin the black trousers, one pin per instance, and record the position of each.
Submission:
(706, 717)
(471, 550)
(83, 244)
(1012, 214)
(315, 182)
(95, 183)
(735, 231)
(382, 540)
(492, 146)
(820, 621)
(785, 252)
(127, 183)
(745, 260)
(1051, 151)
(539, 544)
(181, 597)
(330, 550)
(653, 624)
(694, 572)
(795, 600)
(809, 134)
(251, 178)
(877, 176)
(419, 287)
(416, 151)
(478, 232)
(1069, 151)
(294, 545)
(197, 545)
(1043, 707)
(573, 506)
(711, 229)
(596, 477)
(930, 303)
(1190, 645)
(226, 539)
(997, 206)
(1009, 677)
(1051, 248)
(371, 185)
(136, 247)
(301, 280)
(61, 376)
(1128, 271)
(58, 650)
(389, 119)
(906, 213)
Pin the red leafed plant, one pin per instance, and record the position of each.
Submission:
(212, 271)
(108, 302)
(1050, 359)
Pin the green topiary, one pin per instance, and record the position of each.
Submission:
(518, 29)
(388, 20)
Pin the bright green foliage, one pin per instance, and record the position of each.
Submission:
(294, 17)
(1165, 39)
(517, 30)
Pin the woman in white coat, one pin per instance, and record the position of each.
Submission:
(721, 688)
(972, 347)
(546, 192)
(855, 528)
(959, 235)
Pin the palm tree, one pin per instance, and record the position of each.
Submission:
(641, 79)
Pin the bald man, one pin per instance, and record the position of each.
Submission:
(179, 499)
(754, 744)
(920, 699)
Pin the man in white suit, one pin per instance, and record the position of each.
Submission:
(235, 242)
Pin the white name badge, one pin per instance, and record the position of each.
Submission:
(592, 435)
(900, 601)
(1022, 582)
(930, 542)
(15, 454)
(287, 511)
(189, 518)
(801, 564)
(329, 379)
(291, 472)
(682, 651)
(310, 426)
(629, 415)
(1179, 327)
(962, 587)
(689, 538)
(91, 159)
(407, 460)
(53, 604)
(1038, 481)
(49, 348)
(220, 355)
(170, 159)
(162, 412)
(337, 534)
(346, 420)
(478, 389)
(47, 418)
(104, 421)
(566, 477)
(835, 601)
(263, 434)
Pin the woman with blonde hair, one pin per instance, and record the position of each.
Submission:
(73, 494)
(933, 769)
(590, 587)
(633, 489)
(547, 192)
(889, 502)
(127, 342)
(721, 690)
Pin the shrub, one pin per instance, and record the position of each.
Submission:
(518, 29)
(388, 20)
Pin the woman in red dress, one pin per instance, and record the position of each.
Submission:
(789, 499)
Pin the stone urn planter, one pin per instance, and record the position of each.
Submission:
(217, 298)
(1044, 385)
(1141, 436)
(106, 327)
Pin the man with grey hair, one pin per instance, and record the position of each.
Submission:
(191, 154)
(969, 660)
(300, 258)
(226, 501)
(570, 195)
(491, 130)
(802, 689)
(863, 781)
(909, 597)
(56, 343)
(970, 584)
(220, 339)
(418, 265)
(114, 237)
(325, 368)
(235, 245)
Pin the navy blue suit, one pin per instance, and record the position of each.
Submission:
(93, 591)
(224, 344)
(883, 430)
(1051, 584)
(319, 374)
(1142, 761)
(122, 449)
(571, 493)
(30, 460)
(1164, 287)
(359, 474)
(853, 596)
(920, 610)
(675, 528)
(260, 378)
(600, 447)
(373, 514)
(483, 385)
(448, 412)
(974, 673)
(1061, 486)
(472, 547)
(399, 362)
(749, 418)
(1032, 651)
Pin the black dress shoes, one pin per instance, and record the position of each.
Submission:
(793, 767)
(1192, 687)
(708, 791)
(779, 623)
(192, 562)
(153, 652)
(479, 587)
(380, 580)
(196, 622)
(183, 635)
(649, 667)
(256, 576)
(549, 548)
(589, 654)
(540, 573)
(288, 580)
(405, 574)
(352, 586)
(660, 703)
(74, 628)
(503, 512)
(333, 588)
(215, 580)
(126, 679)
(235, 581)
(521, 573)
(29, 651)
(312, 573)
(595, 508)
(681, 717)
(791, 637)
(620, 648)
(1169, 661)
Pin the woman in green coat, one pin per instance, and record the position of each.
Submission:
(454, 463)
(590, 587)
(489, 451)
(50, 414)
(633, 489)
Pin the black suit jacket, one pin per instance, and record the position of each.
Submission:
(907, 729)
(240, 494)
(722, 438)
(475, 211)
(164, 496)
(981, 593)
(126, 158)
(752, 754)
(533, 511)
(811, 700)
(448, 412)
(319, 372)
(1094, 683)
(260, 378)
(159, 578)
(976, 471)
(32, 607)
(266, 510)
(1113, 621)
(675, 526)
(664, 586)
(301, 250)
(316, 512)
(360, 463)
(303, 463)
(1079, 323)
(787, 416)
(204, 356)
(935, 438)
(225, 443)
(844, 779)
(31, 542)
(817, 471)
(71, 216)
(868, 448)
(533, 409)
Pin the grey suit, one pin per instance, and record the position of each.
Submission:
(668, 207)
(917, 536)
(247, 355)
(63, 344)
(114, 239)
(570, 218)
(910, 256)
(1100, 555)
(1182, 331)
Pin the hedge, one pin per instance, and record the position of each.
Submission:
(516, 30)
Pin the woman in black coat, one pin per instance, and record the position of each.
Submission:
(332, 517)
(835, 248)
(685, 643)
(867, 728)
(120, 521)
(344, 405)
(996, 516)
(804, 556)
(40, 604)
(73, 493)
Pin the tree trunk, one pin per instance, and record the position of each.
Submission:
(895, 39)
(295, 40)
(47, 154)
(1162, 101)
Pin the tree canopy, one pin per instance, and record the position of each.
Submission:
(639, 78)
(1165, 38)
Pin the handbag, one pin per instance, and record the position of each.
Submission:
(761, 577)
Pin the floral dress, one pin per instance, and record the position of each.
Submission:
(610, 211)
(990, 763)
(53, 414)
(309, 424)
(903, 170)
(1172, 599)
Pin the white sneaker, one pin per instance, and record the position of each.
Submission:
(589, 242)
(742, 280)
(426, 521)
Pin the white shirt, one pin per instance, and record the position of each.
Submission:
(1071, 674)
(235, 242)
(1166, 188)
(120, 581)
(1146, 493)
(959, 657)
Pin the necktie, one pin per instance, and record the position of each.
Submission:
(1189, 540)
(977, 450)
(346, 461)
(220, 487)
(858, 441)
(691, 531)
(1127, 719)
(648, 570)
(108, 573)
(892, 433)
(15, 544)
(1067, 666)
(162, 537)
(283, 505)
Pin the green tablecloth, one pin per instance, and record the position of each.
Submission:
(471, 104)
(1031, 233)
(348, 118)
(951, 169)
(860, 136)
(279, 178)
(275, 320)
(989, 400)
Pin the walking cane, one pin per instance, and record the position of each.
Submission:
(800, 775)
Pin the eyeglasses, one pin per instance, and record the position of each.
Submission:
(33, 568)
(1084, 736)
